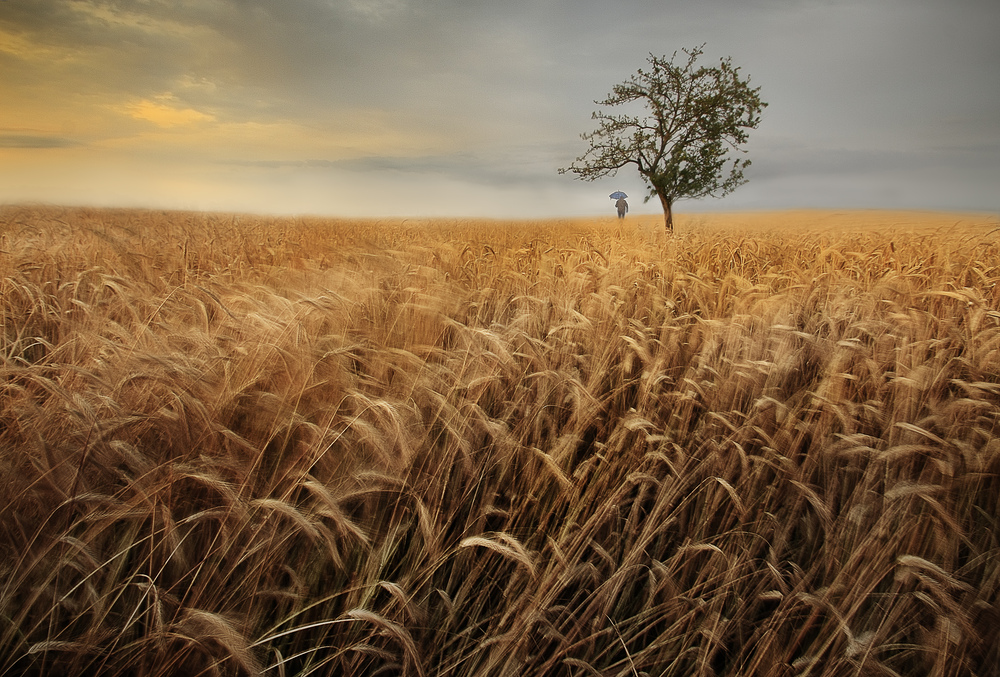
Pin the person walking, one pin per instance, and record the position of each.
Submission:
(622, 207)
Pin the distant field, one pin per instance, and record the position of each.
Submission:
(237, 445)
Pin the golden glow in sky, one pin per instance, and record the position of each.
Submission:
(450, 107)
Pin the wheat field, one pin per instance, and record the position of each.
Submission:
(239, 445)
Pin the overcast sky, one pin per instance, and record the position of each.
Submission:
(468, 107)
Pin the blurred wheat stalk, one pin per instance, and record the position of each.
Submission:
(235, 445)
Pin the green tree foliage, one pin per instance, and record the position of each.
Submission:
(686, 120)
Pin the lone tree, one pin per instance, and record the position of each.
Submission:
(680, 143)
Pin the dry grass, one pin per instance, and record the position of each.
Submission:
(238, 446)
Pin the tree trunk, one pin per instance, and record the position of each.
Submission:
(668, 212)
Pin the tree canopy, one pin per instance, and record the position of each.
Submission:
(679, 124)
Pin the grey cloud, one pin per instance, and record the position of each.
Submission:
(802, 160)
(855, 87)
(528, 166)
(296, 56)
(35, 141)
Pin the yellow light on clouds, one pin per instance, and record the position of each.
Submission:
(162, 114)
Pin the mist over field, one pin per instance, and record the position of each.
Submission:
(243, 445)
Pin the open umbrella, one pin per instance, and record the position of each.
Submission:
(617, 195)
